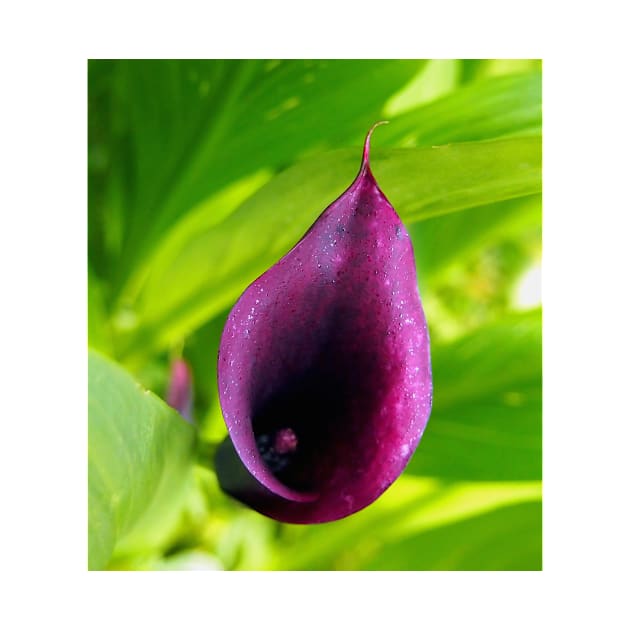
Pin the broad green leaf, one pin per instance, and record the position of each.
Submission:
(489, 108)
(140, 454)
(194, 279)
(451, 239)
(411, 507)
(486, 421)
(422, 183)
(186, 129)
(505, 539)
(437, 78)
(199, 220)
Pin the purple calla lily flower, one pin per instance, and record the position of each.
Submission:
(324, 370)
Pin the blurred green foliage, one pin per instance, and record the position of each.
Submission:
(201, 174)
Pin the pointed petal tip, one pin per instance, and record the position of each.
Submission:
(366, 145)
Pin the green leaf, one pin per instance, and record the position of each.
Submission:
(140, 457)
(437, 78)
(411, 511)
(486, 421)
(186, 129)
(99, 333)
(492, 107)
(193, 277)
(422, 183)
(451, 239)
(506, 539)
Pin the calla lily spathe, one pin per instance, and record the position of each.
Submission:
(324, 369)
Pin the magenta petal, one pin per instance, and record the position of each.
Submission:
(324, 369)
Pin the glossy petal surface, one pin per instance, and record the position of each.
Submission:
(324, 367)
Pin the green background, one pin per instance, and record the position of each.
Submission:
(202, 174)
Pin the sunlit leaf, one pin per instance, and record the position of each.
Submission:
(413, 507)
(505, 539)
(451, 239)
(185, 129)
(189, 284)
(486, 421)
(437, 78)
(139, 457)
(489, 108)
